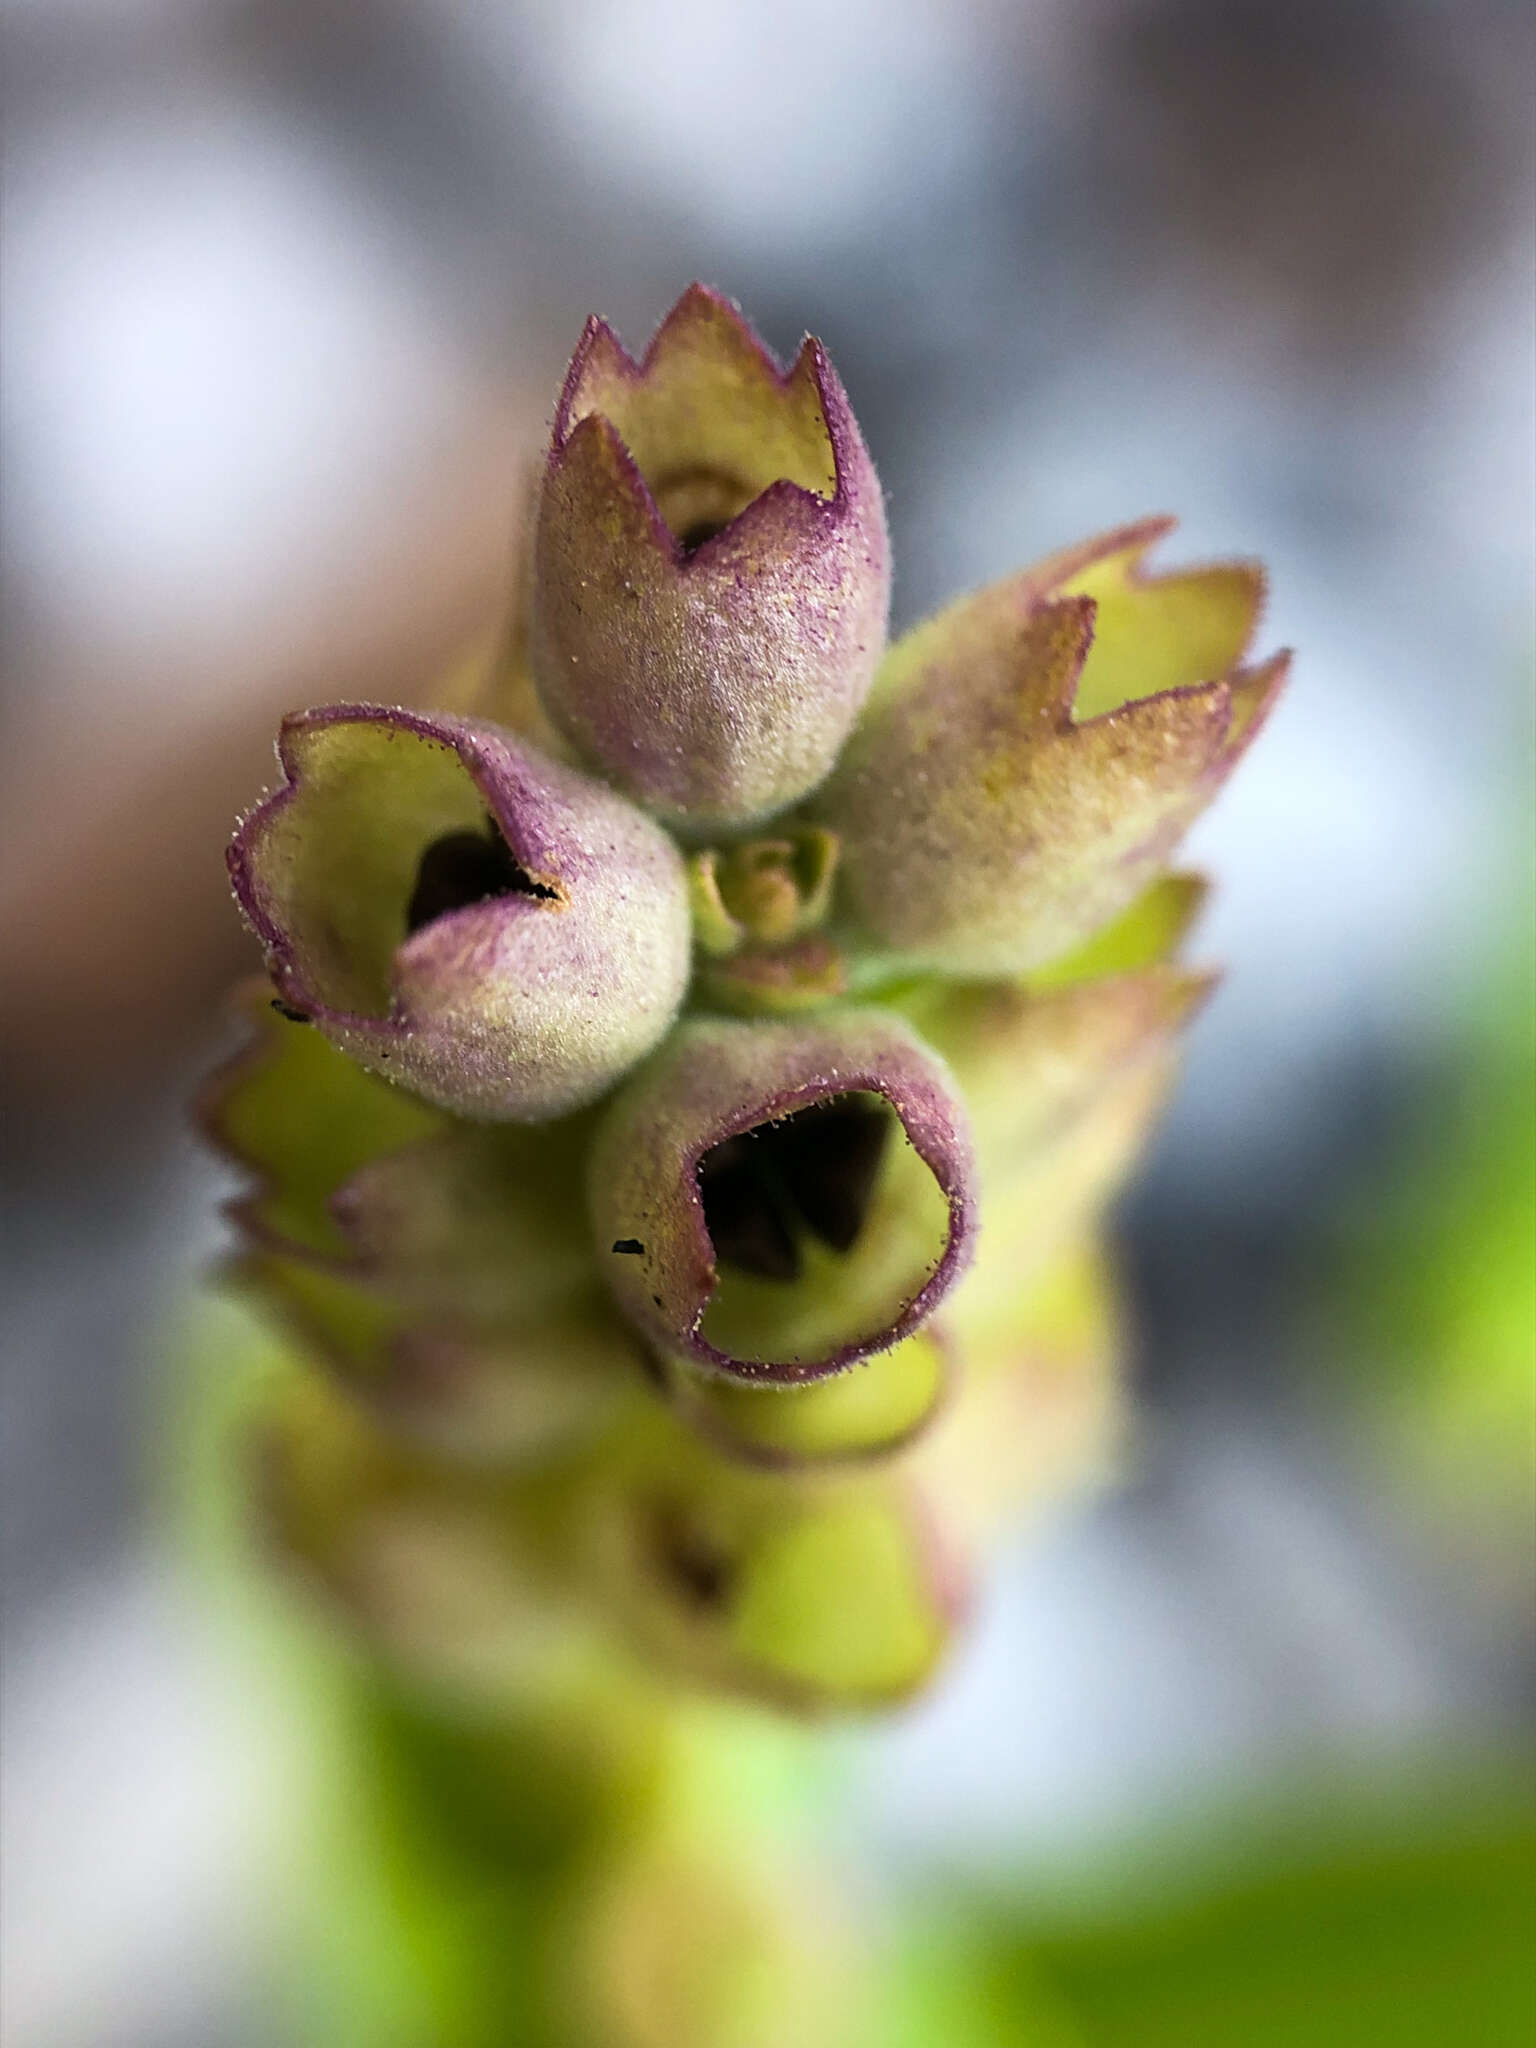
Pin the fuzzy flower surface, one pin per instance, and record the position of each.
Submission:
(711, 569)
(677, 1130)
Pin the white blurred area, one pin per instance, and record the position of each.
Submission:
(288, 288)
(146, 1806)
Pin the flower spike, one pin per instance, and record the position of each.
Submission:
(711, 569)
(653, 1309)
(462, 915)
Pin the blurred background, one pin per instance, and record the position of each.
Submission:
(289, 288)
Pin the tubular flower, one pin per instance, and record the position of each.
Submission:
(378, 1231)
(1032, 757)
(499, 934)
(711, 571)
(837, 1593)
(725, 1264)
(779, 1200)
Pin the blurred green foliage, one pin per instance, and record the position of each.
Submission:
(1421, 1940)
(1434, 1280)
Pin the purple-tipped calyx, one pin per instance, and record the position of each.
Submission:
(711, 568)
(778, 1200)
(497, 932)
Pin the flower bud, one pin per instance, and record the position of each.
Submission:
(1044, 1412)
(1031, 758)
(757, 911)
(773, 981)
(840, 1601)
(441, 1271)
(858, 1417)
(777, 1200)
(710, 568)
(492, 930)
(763, 892)
(437, 1569)
(472, 1394)
(838, 1591)
(298, 1119)
(835, 1592)
(1034, 1064)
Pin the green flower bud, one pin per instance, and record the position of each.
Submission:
(441, 1271)
(448, 1385)
(861, 1416)
(1045, 1410)
(815, 1594)
(763, 892)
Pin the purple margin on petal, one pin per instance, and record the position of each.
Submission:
(254, 1051)
(1138, 537)
(934, 1123)
(442, 729)
(933, 1141)
(1043, 580)
(772, 504)
(670, 1381)
(249, 1000)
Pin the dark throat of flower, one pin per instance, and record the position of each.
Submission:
(462, 868)
(695, 1566)
(694, 537)
(701, 502)
(813, 1171)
